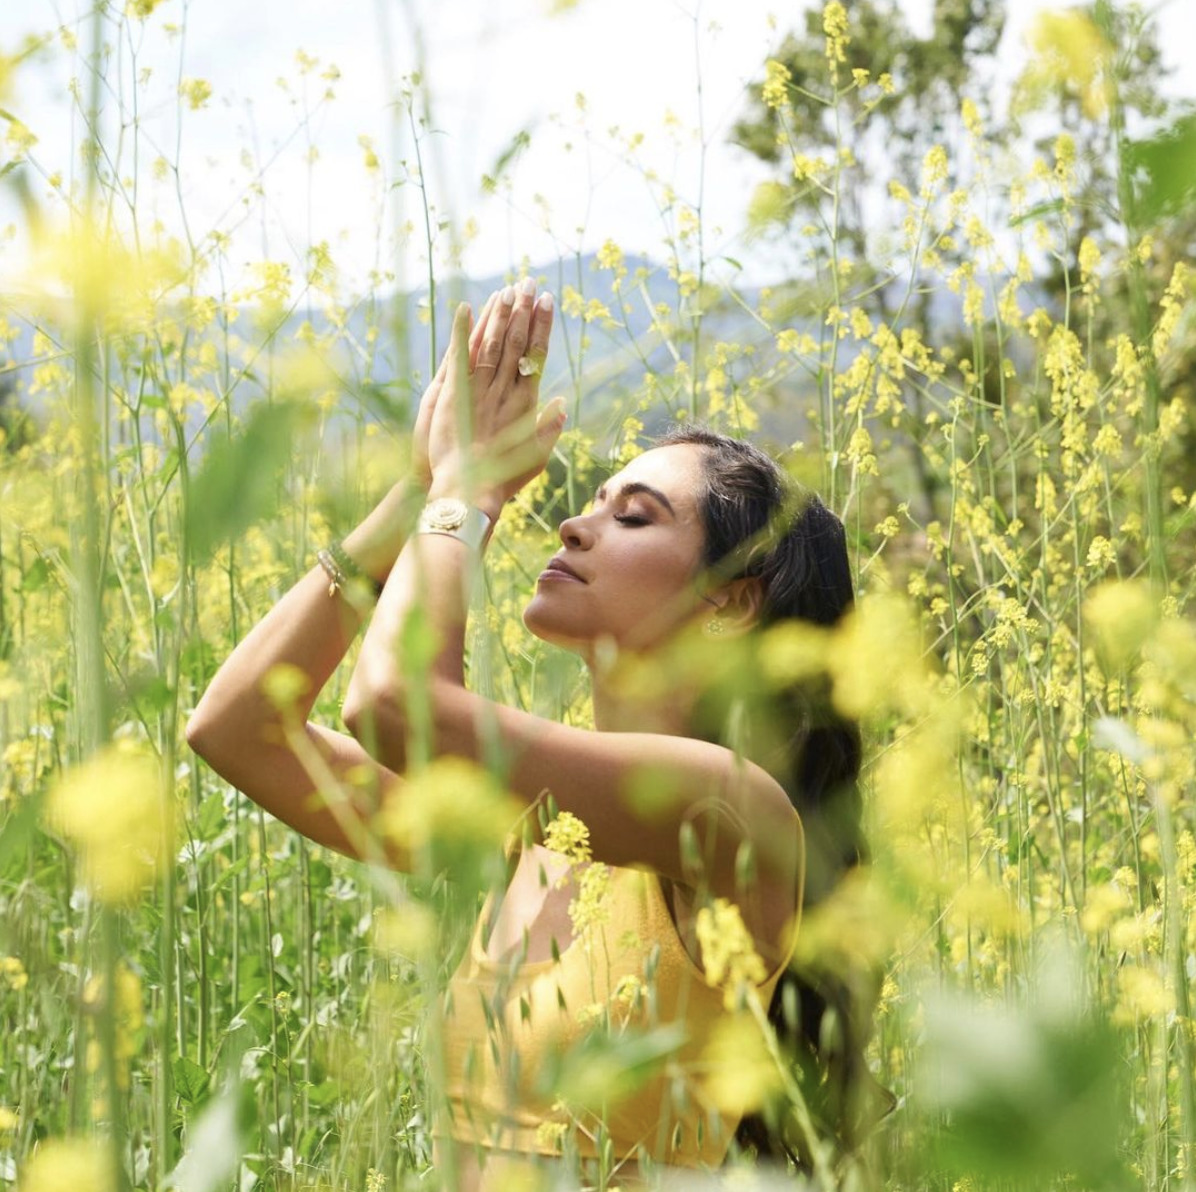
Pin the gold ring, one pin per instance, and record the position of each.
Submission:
(528, 367)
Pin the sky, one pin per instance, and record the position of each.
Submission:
(273, 165)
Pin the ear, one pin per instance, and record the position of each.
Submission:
(739, 603)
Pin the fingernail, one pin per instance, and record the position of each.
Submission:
(508, 296)
(527, 287)
(559, 413)
(545, 300)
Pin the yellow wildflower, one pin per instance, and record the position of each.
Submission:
(550, 1135)
(1179, 290)
(740, 1074)
(569, 836)
(776, 83)
(1142, 993)
(834, 25)
(1070, 52)
(1101, 554)
(610, 256)
(451, 802)
(69, 1165)
(13, 972)
(971, 118)
(113, 809)
(196, 92)
(1121, 616)
(588, 908)
(729, 954)
(934, 169)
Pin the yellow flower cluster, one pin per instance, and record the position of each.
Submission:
(13, 972)
(729, 953)
(775, 91)
(588, 908)
(568, 835)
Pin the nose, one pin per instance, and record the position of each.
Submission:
(576, 532)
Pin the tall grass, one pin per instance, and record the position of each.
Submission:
(246, 1007)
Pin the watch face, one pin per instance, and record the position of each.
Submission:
(446, 513)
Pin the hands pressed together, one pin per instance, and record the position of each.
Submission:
(479, 433)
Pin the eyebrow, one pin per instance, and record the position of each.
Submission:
(637, 486)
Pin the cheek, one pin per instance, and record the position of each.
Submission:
(649, 578)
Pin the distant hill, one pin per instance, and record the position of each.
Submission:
(386, 377)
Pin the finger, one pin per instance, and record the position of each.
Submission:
(550, 422)
(538, 336)
(516, 339)
(479, 329)
(525, 455)
(491, 349)
(523, 438)
(456, 355)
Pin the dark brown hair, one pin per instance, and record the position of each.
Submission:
(757, 522)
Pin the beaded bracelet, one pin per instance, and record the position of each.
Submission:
(342, 571)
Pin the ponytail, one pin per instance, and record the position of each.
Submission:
(756, 525)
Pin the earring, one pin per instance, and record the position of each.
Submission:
(713, 627)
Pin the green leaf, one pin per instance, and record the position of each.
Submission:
(212, 816)
(36, 576)
(1163, 169)
(509, 155)
(1038, 211)
(190, 1080)
(215, 1143)
(238, 483)
(326, 1093)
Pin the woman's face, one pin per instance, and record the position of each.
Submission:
(627, 566)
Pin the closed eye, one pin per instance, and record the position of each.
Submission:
(631, 519)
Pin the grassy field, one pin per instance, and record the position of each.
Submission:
(193, 996)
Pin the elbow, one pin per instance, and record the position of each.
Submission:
(208, 734)
(199, 732)
(372, 712)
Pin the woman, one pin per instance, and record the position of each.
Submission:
(698, 534)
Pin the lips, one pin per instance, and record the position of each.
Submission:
(558, 567)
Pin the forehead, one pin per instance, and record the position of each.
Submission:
(676, 470)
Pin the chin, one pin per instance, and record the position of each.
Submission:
(554, 629)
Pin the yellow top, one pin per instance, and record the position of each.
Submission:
(507, 1025)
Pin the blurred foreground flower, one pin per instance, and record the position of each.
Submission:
(69, 1165)
(120, 287)
(451, 813)
(1032, 1094)
(740, 1073)
(876, 661)
(114, 811)
(1121, 616)
(408, 930)
(125, 1006)
(1070, 54)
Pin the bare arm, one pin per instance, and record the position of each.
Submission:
(321, 782)
(295, 769)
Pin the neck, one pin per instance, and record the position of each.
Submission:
(634, 695)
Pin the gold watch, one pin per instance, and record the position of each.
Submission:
(451, 516)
